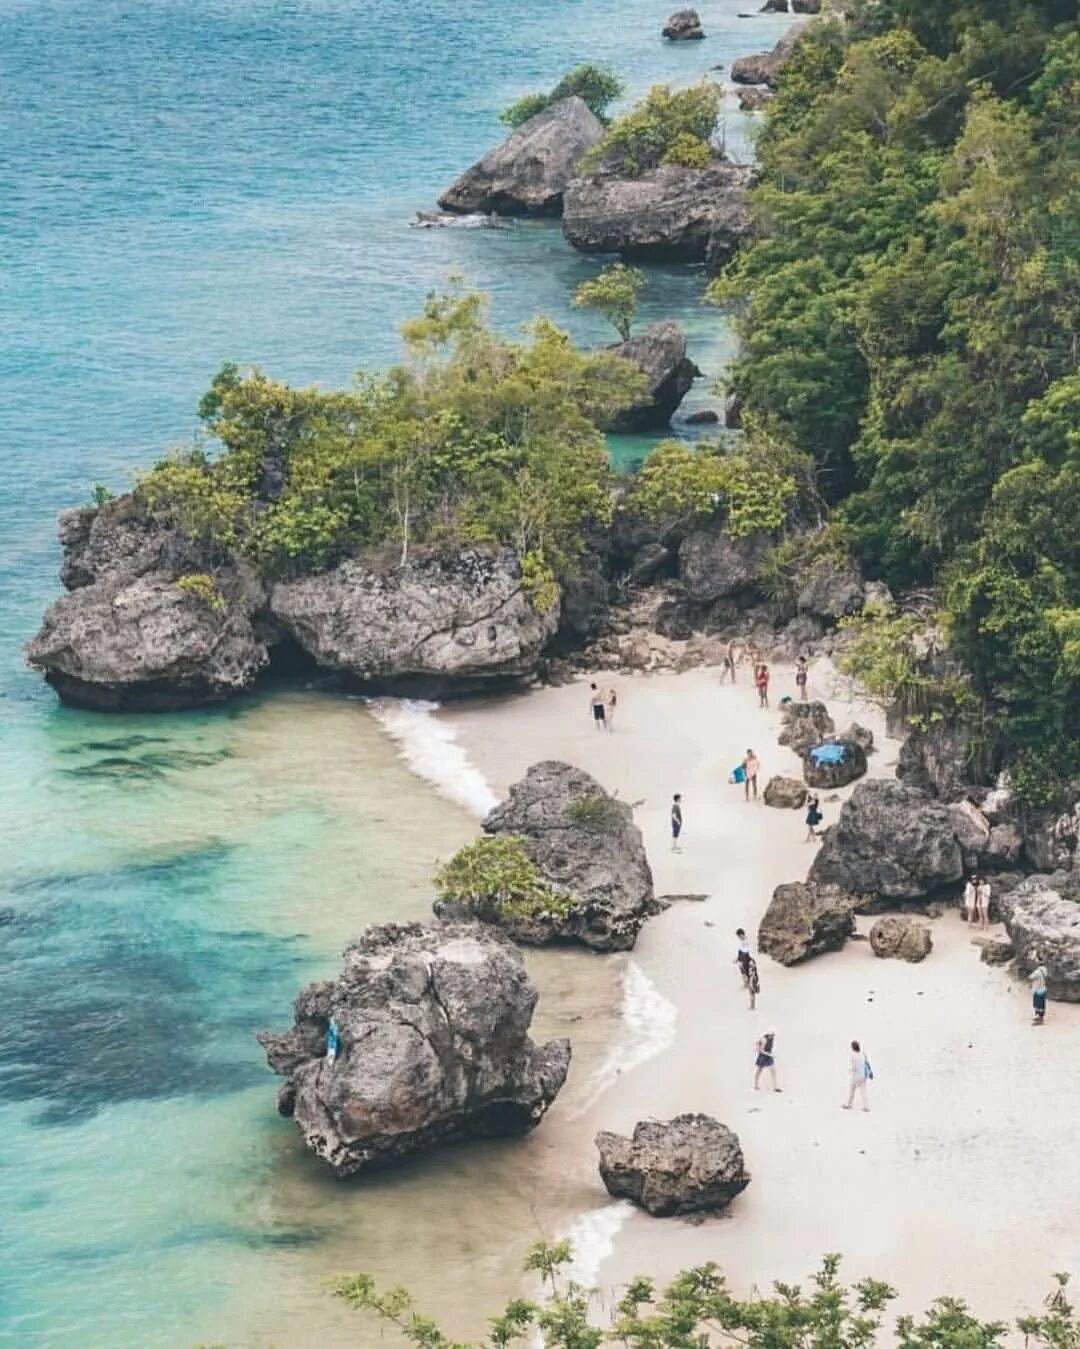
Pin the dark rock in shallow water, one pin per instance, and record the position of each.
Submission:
(804, 920)
(587, 848)
(705, 417)
(686, 1165)
(660, 352)
(528, 173)
(434, 1046)
(683, 26)
(443, 621)
(766, 67)
(667, 214)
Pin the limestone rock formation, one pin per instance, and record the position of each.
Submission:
(997, 951)
(832, 590)
(890, 841)
(528, 173)
(1051, 838)
(938, 760)
(805, 919)
(805, 724)
(766, 67)
(901, 938)
(1042, 918)
(659, 351)
(972, 830)
(714, 566)
(862, 736)
(686, 1165)
(786, 793)
(683, 26)
(669, 213)
(823, 770)
(443, 620)
(433, 1029)
(588, 848)
(755, 98)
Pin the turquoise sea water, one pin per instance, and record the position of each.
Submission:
(184, 182)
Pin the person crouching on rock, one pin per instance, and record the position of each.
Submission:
(333, 1041)
(766, 1060)
(596, 702)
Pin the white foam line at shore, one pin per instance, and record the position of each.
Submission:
(430, 748)
(592, 1239)
(647, 1029)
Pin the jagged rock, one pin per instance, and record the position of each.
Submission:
(890, 841)
(528, 173)
(1042, 919)
(786, 793)
(901, 938)
(673, 620)
(584, 604)
(774, 7)
(803, 725)
(862, 736)
(827, 776)
(938, 760)
(443, 620)
(766, 67)
(996, 951)
(832, 589)
(754, 98)
(806, 6)
(713, 565)
(683, 26)
(588, 848)
(669, 213)
(649, 562)
(659, 351)
(434, 1046)
(703, 417)
(805, 919)
(685, 1165)
(733, 409)
(972, 830)
(1000, 806)
(1050, 838)
(1004, 846)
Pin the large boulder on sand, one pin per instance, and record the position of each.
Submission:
(434, 1045)
(766, 67)
(527, 174)
(890, 841)
(833, 764)
(685, 1165)
(667, 214)
(659, 351)
(443, 620)
(1042, 918)
(900, 938)
(805, 920)
(785, 793)
(713, 565)
(587, 848)
(683, 26)
(150, 624)
(803, 725)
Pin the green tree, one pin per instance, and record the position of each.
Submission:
(666, 120)
(597, 86)
(678, 485)
(614, 294)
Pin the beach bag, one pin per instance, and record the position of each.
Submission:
(738, 774)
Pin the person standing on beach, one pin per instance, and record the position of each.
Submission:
(982, 902)
(743, 958)
(971, 898)
(753, 983)
(761, 679)
(813, 817)
(751, 767)
(766, 1059)
(612, 703)
(676, 821)
(861, 1073)
(731, 656)
(800, 678)
(596, 702)
(1037, 979)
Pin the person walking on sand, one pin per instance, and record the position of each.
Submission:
(731, 657)
(982, 902)
(753, 983)
(751, 767)
(676, 821)
(761, 679)
(971, 899)
(766, 1060)
(861, 1073)
(612, 703)
(596, 702)
(1037, 979)
(800, 678)
(813, 817)
(743, 958)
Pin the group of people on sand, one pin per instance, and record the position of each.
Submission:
(733, 655)
(977, 900)
(859, 1069)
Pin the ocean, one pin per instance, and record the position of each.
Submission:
(185, 182)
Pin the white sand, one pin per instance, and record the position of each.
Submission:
(964, 1176)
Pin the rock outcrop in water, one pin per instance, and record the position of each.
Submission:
(666, 214)
(443, 620)
(766, 67)
(433, 1032)
(683, 26)
(660, 352)
(690, 1164)
(528, 173)
(587, 848)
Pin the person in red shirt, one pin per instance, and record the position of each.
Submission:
(761, 678)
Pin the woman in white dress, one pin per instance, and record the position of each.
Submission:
(982, 902)
(860, 1072)
(971, 898)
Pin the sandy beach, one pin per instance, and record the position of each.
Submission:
(960, 1180)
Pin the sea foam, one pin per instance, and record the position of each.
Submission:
(430, 748)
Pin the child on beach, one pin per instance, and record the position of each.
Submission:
(750, 767)
(761, 679)
(676, 821)
(861, 1073)
(766, 1060)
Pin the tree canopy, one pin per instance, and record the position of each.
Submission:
(667, 127)
(614, 294)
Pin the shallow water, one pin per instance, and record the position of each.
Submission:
(185, 182)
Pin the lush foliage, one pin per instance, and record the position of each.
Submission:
(595, 811)
(597, 86)
(909, 312)
(614, 294)
(203, 588)
(673, 126)
(697, 1310)
(477, 439)
(495, 878)
(678, 485)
